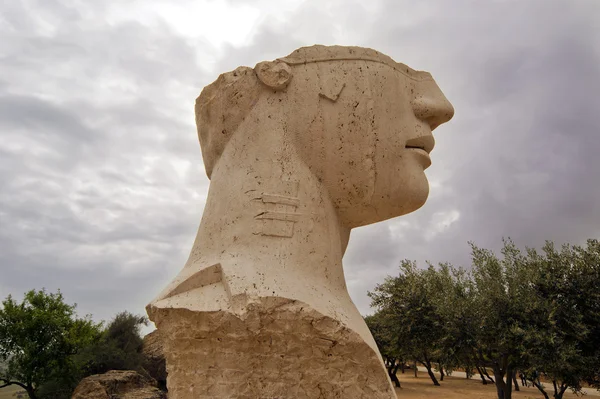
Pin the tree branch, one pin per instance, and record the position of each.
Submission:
(540, 387)
(504, 366)
(8, 382)
(563, 388)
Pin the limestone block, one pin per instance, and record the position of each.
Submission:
(299, 150)
(154, 358)
(118, 384)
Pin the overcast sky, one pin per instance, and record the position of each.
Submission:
(102, 184)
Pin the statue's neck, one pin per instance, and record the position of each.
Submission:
(269, 232)
(267, 214)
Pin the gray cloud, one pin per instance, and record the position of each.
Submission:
(102, 180)
(96, 199)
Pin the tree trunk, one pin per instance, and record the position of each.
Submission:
(469, 372)
(483, 380)
(441, 372)
(508, 391)
(540, 388)
(427, 365)
(514, 379)
(561, 391)
(416, 371)
(500, 385)
(523, 379)
(395, 380)
(403, 366)
(31, 392)
(503, 389)
(500, 388)
(487, 375)
(392, 369)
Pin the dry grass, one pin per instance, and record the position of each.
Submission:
(460, 388)
(9, 392)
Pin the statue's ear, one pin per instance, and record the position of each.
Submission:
(274, 74)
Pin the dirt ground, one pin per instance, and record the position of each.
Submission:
(461, 388)
(422, 388)
(9, 392)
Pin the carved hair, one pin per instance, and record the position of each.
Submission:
(224, 104)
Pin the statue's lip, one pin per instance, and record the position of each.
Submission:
(425, 143)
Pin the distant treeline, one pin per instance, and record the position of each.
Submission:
(530, 313)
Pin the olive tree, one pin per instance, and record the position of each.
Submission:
(38, 336)
(566, 284)
(408, 302)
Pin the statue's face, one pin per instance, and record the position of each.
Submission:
(370, 146)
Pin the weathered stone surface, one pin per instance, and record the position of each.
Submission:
(275, 350)
(144, 393)
(154, 358)
(299, 151)
(118, 384)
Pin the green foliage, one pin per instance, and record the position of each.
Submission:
(37, 339)
(408, 302)
(119, 347)
(587, 289)
(566, 287)
(384, 332)
(453, 295)
(507, 313)
(534, 312)
(46, 349)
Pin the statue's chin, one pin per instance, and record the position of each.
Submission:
(412, 198)
(401, 201)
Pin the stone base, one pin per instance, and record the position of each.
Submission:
(118, 384)
(277, 348)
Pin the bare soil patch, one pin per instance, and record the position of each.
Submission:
(10, 392)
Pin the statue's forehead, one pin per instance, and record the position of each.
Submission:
(314, 54)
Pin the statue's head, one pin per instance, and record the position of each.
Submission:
(360, 121)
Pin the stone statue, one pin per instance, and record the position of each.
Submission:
(299, 151)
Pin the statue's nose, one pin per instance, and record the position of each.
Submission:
(430, 105)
